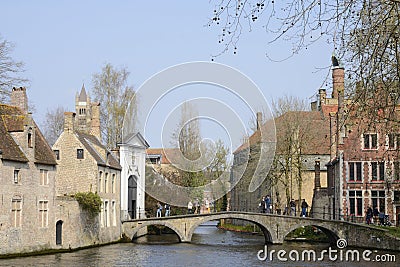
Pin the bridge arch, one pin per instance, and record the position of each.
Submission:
(171, 226)
(330, 231)
(267, 233)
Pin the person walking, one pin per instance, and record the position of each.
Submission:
(198, 206)
(167, 210)
(190, 207)
(267, 204)
(292, 205)
(369, 215)
(304, 206)
(159, 209)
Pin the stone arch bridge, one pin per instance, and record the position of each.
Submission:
(274, 227)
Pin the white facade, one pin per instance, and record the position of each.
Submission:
(133, 160)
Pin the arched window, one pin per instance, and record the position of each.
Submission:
(59, 232)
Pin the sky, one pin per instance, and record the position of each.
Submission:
(63, 43)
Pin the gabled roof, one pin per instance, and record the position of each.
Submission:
(103, 157)
(12, 119)
(139, 137)
(314, 127)
(168, 155)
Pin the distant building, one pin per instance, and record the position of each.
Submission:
(27, 178)
(86, 165)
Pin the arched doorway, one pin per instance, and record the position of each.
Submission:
(132, 196)
(59, 232)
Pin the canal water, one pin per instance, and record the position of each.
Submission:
(210, 247)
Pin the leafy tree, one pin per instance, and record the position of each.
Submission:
(53, 124)
(9, 70)
(111, 89)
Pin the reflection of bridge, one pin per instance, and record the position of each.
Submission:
(274, 227)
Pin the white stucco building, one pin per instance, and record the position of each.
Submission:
(133, 160)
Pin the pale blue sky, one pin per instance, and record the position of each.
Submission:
(64, 42)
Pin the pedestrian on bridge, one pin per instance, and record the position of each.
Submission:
(267, 204)
(190, 207)
(292, 205)
(159, 209)
(304, 206)
(167, 210)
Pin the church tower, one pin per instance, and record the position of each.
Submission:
(83, 111)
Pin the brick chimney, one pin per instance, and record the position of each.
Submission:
(19, 98)
(338, 82)
(259, 120)
(317, 181)
(69, 121)
(322, 96)
(95, 122)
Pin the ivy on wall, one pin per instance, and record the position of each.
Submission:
(89, 201)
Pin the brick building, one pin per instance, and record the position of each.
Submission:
(27, 178)
(85, 165)
(364, 168)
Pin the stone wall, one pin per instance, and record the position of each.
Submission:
(28, 235)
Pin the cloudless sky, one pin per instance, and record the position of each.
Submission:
(63, 43)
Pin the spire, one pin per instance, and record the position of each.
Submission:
(82, 95)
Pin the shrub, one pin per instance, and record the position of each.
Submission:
(89, 201)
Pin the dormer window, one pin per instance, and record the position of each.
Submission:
(79, 153)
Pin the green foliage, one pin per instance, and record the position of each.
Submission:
(89, 201)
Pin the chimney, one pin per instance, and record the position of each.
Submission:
(19, 98)
(95, 122)
(69, 121)
(317, 181)
(259, 120)
(338, 82)
(322, 96)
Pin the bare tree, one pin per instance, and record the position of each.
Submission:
(364, 34)
(53, 124)
(9, 70)
(292, 128)
(111, 89)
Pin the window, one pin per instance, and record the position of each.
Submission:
(396, 170)
(113, 214)
(355, 203)
(378, 200)
(29, 140)
(370, 141)
(393, 140)
(102, 214)
(57, 153)
(355, 171)
(43, 213)
(113, 183)
(44, 177)
(397, 196)
(79, 153)
(106, 183)
(106, 220)
(378, 171)
(17, 177)
(100, 181)
(16, 212)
